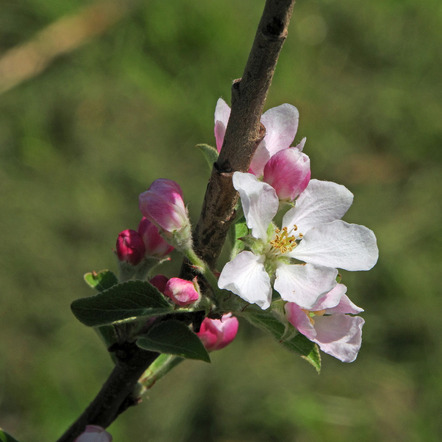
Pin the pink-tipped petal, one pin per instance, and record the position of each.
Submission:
(339, 335)
(288, 172)
(155, 244)
(163, 205)
(181, 292)
(281, 124)
(222, 115)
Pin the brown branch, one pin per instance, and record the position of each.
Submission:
(243, 134)
(244, 131)
(117, 394)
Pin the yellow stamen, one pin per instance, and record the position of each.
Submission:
(283, 241)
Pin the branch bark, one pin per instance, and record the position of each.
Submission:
(243, 134)
(244, 130)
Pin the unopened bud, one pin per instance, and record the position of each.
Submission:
(181, 292)
(163, 205)
(130, 247)
(94, 433)
(288, 172)
(155, 244)
(215, 334)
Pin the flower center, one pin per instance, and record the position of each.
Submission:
(311, 315)
(283, 241)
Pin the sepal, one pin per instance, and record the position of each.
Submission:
(210, 154)
(300, 344)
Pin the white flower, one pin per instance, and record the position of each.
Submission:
(301, 258)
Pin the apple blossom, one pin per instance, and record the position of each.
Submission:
(94, 433)
(288, 172)
(155, 244)
(181, 292)
(281, 124)
(130, 247)
(329, 325)
(163, 205)
(159, 281)
(215, 334)
(301, 258)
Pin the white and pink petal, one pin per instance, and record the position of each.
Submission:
(281, 124)
(304, 284)
(222, 115)
(339, 335)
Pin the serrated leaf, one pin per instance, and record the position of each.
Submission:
(5, 437)
(209, 153)
(132, 299)
(300, 344)
(102, 280)
(175, 338)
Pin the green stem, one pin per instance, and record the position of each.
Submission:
(159, 368)
(203, 268)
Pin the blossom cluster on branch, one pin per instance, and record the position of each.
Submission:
(282, 276)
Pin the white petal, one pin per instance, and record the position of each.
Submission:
(304, 284)
(339, 245)
(259, 201)
(281, 124)
(321, 202)
(331, 299)
(245, 276)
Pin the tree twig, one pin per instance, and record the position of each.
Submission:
(244, 131)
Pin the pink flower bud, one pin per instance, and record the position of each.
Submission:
(181, 292)
(94, 433)
(155, 244)
(288, 172)
(159, 281)
(130, 247)
(215, 334)
(163, 205)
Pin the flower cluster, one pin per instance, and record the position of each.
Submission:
(298, 259)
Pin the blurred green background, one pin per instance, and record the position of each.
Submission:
(81, 140)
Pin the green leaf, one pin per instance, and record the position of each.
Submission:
(5, 437)
(209, 152)
(102, 280)
(240, 230)
(132, 299)
(175, 338)
(299, 343)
